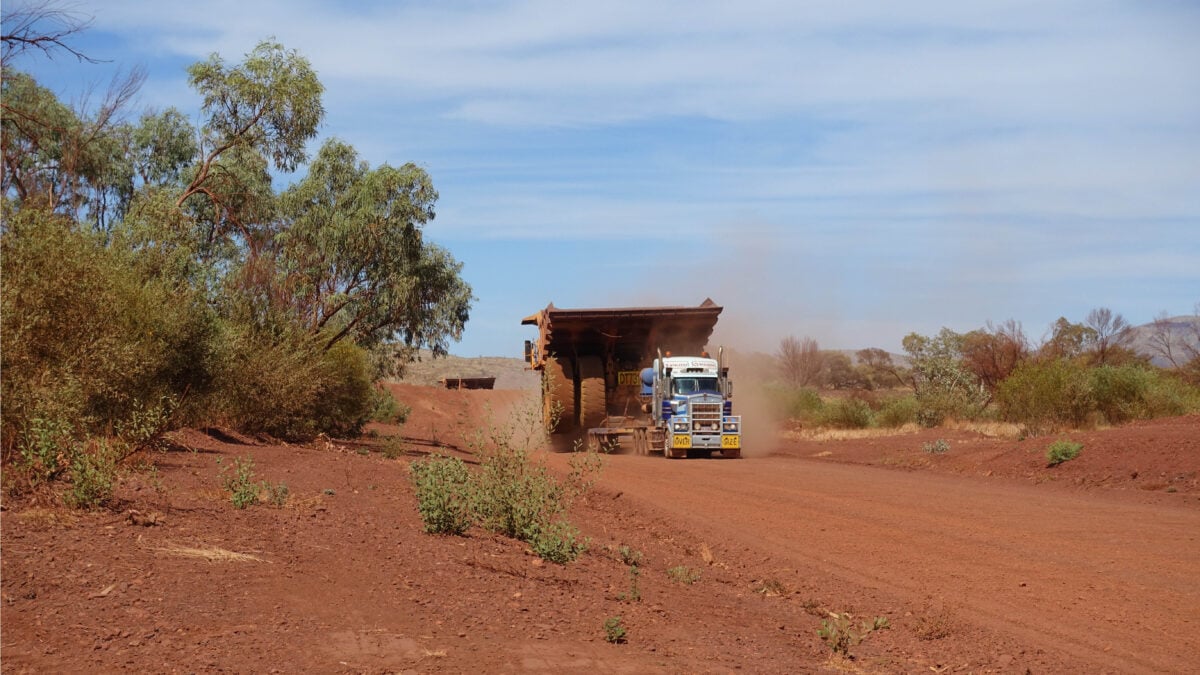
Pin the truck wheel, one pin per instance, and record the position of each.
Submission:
(558, 396)
(591, 392)
(730, 453)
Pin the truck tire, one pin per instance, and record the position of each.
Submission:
(592, 405)
(558, 396)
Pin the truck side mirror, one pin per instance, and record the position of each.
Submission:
(529, 351)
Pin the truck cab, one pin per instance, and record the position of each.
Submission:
(691, 397)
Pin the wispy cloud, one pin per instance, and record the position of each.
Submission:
(978, 159)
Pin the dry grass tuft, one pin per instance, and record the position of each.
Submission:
(45, 519)
(934, 622)
(1004, 430)
(850, 434)
(706, 554)
(209, 553)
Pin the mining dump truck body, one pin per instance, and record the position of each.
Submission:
(591, 359)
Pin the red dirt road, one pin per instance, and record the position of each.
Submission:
(1108, 582)
(982, 559)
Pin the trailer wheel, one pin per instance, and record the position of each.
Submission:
(558, 396)
(591, 392)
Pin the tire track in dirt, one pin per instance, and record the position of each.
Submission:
(1103, 581)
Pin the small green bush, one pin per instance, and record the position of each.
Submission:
(847, 413)
(46, 448)
(614, 632)
(630, 556)
(238, 481)
(897, 412)
(1062, 451)
(559, 542)
(93, 474)
(443, 494)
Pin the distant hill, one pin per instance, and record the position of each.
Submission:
(1182, 331)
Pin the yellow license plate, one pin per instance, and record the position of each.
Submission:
(731, 441)
(678, 441)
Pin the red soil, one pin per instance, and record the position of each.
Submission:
(982, 559)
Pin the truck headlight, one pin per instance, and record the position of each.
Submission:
(731, 426)
(681, 426)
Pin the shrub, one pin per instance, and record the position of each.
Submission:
(93, 473)
(443, 494)
(840, 633)
(239, 482)
(614, 632)
(683, 574)
(847, 413)
(46, 448)
(88, 337)
(630, 556)
(509, 493)
(803, 405)
(1131, 391)
(1062, 451)
(897, 412)
(1046, 395)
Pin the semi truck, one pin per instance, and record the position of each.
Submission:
(636, 373)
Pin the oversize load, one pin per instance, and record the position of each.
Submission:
(631, 334)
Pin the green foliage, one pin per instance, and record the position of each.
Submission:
(1062, 451)
(1046, 395)
(131, 305)
(1128, 392)
(840, 633)
(46, 448)
(630, 556)
(847, 413)
(804, 404)
(443, 494)
(271, 103)
(614, 631)
(944, 387)
(238, 481)
(939, 447)
(509, 493)
(898, 411)
(683, 574)
(1049, 395)
(634, 594)
(93, 474)
(520, 499)
(87, 338)
(386, 409)
(355, 255)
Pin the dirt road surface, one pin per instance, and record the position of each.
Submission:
(983, 560)
(1109, 583)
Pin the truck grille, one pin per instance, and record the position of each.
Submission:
(705, 416)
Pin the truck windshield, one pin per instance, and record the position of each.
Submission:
(695, 385)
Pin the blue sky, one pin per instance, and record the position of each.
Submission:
(847, 171)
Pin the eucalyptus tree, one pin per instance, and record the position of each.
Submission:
(269, 104)
(354, 259)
